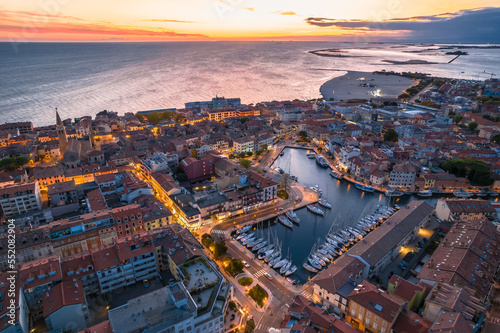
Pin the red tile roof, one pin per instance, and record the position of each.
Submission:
(61, 295)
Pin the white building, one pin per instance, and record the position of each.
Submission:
(243, 145)
(131, 260)
(347, 153)
(160, 162)
(20, 199)
(403, 175)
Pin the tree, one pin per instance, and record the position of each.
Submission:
(457, 119)
(320, 149)
(244, 119)
(232, 266)
(140, 117)
(207, 240)
(13, 163)
(391, 135)
(250, 326)
(194, 153)
(285, 182)
(496, 139)
(472, 126)
(154, 118)
(245, 163)
(477, 172)
(404, 96)
(303, 134)
(220, 249)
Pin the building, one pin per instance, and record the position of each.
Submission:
(174, 246)
(61, 133)
(466, 257)
(130, 260)
(403, 175)
(65, 307)
(464, 209)
(221, 114)
(243, 145)
(37, 277)
(413, 294)
(48, 176)
(170, 309)
(20, 199)
(305, 314)
(382, 245)
(197, 170)
(20, 323)
(333, 285)
(373, 310)
(445, 298)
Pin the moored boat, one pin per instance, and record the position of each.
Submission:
(335, 175)
(462, 194)
(315, 209)
(391, 193)
(365, 188)
(321, 161)
(309, 268)
(292, 216)
(424, 193)
(324, 203)
(285, 221)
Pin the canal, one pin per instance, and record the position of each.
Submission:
(348, 205)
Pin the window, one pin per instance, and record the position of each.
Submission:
(368, 314)
(374, 325)
(382, 330)
(360, 316)
(367, 321)
(353, 313)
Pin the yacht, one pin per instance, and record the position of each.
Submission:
(311, 155)
(324, 203)
(365, 188)
(336, 175)
(282, 153)
(391, 193)
(321, 161)
(244, 229)
(280, 263)
(292, 216)
(283, 220)
(462, 194)
(285, 268)
(315, 209)
(424, 193)
(291, 270)
(309, 268)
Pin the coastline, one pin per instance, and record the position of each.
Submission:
(347, 86)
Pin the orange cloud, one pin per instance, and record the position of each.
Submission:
(34, 25)
(291, 13)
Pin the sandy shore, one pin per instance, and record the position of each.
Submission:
(349, 86)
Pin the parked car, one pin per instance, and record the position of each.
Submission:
(245, 263)
(402, 266)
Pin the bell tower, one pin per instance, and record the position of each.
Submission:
(61, 133)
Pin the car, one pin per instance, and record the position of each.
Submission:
(223, 238)
(297, 198)
(269, 276)
(245, 263)
(146, 283)
(280, 209)
(402, 266)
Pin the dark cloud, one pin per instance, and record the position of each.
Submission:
(467, 26)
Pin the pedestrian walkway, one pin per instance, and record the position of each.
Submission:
(262, 328)
(307, 295)
(260, 273)
(219, 232)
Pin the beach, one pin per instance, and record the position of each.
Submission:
(364, 85)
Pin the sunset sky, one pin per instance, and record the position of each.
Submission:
(163, 20)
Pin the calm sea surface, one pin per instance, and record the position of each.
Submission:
(85, 78)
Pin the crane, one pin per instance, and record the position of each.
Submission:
(491, 74)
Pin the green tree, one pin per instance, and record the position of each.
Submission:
(13, 163)
(244, 119)
(472, 126)
(220, 249)
(391, 135)
(245, 163)
(404, 96)
(140, 117)
(232, 266)
(496, 139)
(194, 153)
(477, 172)
(154, 118)
(457, 119)
(207, 240)
(250, 326)
(303, 134)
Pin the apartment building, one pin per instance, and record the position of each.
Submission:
(464, 209)
(403, 175)
(372, 309)
(243, 145)
(20, 199)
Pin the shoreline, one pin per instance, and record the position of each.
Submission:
(349, 86)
